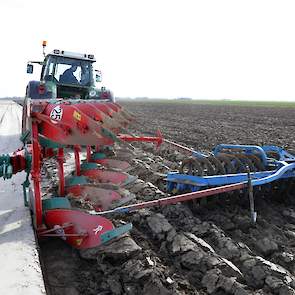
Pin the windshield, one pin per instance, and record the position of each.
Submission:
(71, 71)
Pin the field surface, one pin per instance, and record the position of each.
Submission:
(189, 248)
(202, 126)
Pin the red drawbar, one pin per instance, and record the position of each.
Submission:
(60, 160)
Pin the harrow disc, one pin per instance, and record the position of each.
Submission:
(245, 162)
(237, 165)
(258, 164)
(226, 163)
(206, 165)
(191, 166)
(217, 165)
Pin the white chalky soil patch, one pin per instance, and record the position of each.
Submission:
(20, 270)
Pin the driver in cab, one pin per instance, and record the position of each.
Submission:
(68, 76)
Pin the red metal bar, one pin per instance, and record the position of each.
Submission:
(130, 138)
(88, 153)
(48, 152)
(18, 161)
(60, 161)
(77, 160)
(179, 146)
(36, 176)
(179, 198)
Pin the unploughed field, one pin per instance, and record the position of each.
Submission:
(202, 126)
(189, 248)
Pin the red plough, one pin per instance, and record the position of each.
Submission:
(61, 126)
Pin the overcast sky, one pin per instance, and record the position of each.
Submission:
(206, 49)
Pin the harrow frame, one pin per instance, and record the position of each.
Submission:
(281, 167)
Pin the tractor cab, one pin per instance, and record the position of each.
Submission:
(67, 75)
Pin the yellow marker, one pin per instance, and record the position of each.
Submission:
(79, 242)
(77, 115)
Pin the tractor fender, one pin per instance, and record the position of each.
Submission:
(34, 93)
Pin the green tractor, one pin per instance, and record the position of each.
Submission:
(65, 75)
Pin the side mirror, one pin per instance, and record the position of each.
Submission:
(98, 76)
(30, 69)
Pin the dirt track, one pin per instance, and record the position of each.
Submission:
(183, 249)
(20, 270)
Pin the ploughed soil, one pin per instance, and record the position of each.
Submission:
(188, 248)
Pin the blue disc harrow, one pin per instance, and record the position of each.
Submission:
(270, 168)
